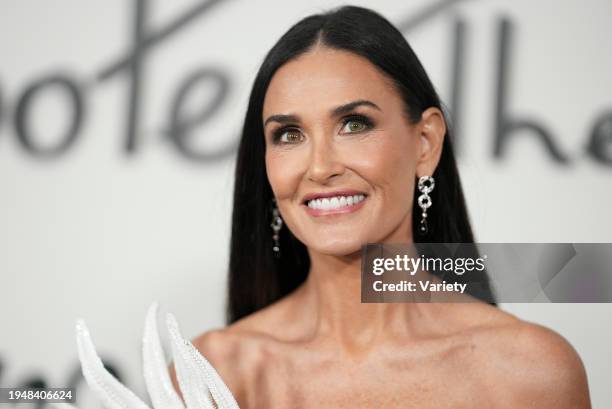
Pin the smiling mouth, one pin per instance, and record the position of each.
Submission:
(340, 202)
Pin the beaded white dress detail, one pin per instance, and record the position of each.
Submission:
(199, 383)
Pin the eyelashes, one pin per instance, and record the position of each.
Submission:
(364, 120)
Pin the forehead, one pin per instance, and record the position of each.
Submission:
(324, 78)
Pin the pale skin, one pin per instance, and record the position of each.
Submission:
(319, 347)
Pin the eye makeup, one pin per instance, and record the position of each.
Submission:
(367, 122)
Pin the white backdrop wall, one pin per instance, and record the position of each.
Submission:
(116, 160)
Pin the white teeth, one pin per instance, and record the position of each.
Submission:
(336, 202)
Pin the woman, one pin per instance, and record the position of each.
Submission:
(342, 121)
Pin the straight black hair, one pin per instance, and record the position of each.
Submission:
(256, 277)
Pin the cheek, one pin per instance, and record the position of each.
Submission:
(283, 169)
(388, 162)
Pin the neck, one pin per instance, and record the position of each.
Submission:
(332, 292)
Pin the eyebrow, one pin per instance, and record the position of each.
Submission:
(340, 110)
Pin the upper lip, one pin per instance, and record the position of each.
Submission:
(319, 195)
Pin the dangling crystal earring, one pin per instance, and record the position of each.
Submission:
(277, 224)
(426, 185)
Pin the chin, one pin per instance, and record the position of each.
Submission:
(337, 247)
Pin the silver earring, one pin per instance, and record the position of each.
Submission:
(426, 185)
(277, 224)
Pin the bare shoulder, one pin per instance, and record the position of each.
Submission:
(537, 366)
(240, 350)
(233, 353)
(237, 351)
(223, 350)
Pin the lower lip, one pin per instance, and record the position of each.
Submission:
(340, 210)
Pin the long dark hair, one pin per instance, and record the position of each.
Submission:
(256, 277)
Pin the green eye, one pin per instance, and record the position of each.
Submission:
(355, 126)
(356, 123)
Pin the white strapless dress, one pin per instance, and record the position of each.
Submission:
(200, 384)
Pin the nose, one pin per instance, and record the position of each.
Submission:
(325, 163)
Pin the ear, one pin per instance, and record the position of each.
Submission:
(432, 128)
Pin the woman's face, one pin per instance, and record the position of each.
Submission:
(341, 154)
